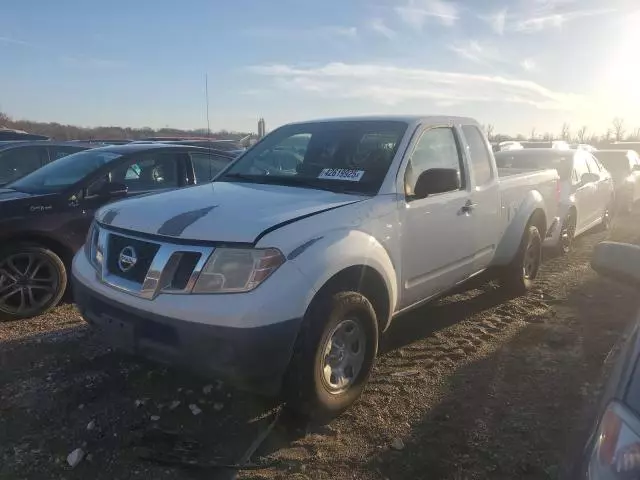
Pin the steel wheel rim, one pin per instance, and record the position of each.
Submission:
(28, 282)
(531, 261)
(343, 355)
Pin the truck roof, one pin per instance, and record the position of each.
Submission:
(410, 119)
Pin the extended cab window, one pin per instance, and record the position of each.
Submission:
(580, 166)
(436, 148)
(479, 155)
(593, 165)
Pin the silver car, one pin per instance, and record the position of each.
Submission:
(585, 191)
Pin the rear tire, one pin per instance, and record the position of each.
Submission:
(33, 279)
(567, 235)
(605, 223)
(518, 277)
(333, 357)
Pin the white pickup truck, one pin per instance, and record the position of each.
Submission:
(282, 274)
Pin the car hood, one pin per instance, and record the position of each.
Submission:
(220, 211)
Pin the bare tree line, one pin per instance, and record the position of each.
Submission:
(58, 131)
(616, 132)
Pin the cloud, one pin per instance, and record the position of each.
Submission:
(475, 52)
(497, 20)
(15, 41)
(528, 64)
(327, 31)
(538, 23)
(416, 12)
(378, 26)
(390, 85)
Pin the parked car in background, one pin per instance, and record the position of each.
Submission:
(624, 146)
(560, 144)
(624, 166)
(584, 146)
(585, 192)
(18, 158)
(45, 216)
(612, 450)
(509, 145)
(225, 145)
(104, 141)
(287, 268)
(7, 134)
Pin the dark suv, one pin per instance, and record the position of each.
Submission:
(18, 158)
(45, 216)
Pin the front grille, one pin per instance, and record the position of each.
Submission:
(145, 252)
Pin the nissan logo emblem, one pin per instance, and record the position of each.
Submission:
(127, 259)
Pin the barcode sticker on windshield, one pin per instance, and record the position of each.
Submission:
(341, 174)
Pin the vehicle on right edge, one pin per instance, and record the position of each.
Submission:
(612, 449)
(585, 192)
(624, 166)
(281, 275)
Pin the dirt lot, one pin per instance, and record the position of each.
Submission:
(472, 386)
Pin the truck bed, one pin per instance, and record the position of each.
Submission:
(516, 183)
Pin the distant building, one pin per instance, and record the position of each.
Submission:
(262, 130)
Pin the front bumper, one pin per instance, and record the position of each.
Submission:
(252, 358)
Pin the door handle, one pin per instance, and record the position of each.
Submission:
(468, 207)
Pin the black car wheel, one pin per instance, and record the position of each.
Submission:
(333, 357)
(33, 279)
(567, 234)
(518, 277)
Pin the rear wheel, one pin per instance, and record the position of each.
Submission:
(333, 357)
(605, 223)
(520, 275)
(567, 234)
(33, 279)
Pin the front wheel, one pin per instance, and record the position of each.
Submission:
(33, 279)
(333, 356)
(519, 276)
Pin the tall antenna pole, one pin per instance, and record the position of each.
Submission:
(206, 93)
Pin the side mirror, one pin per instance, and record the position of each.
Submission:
(618, 261)
(589, 178)
(436, 180)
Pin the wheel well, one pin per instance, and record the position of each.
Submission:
(65, 253)
(367, 281)
(539, 220)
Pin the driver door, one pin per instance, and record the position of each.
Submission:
(437, 235)
(142, 173)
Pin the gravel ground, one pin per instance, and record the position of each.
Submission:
(472, 386)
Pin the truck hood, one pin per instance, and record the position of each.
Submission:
(220, 211)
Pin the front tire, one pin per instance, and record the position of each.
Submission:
(333, 357)
(518, 277)
(33, 279)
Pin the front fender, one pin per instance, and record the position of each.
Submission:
(518, 216)
(336, 251)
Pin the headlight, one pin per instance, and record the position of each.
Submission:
(237, 269)
(91, 246)
(617, 450)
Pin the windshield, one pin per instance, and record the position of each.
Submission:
(348, 156)
(64, 172)
(535, 160)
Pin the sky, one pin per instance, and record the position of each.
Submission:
(515, 64)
